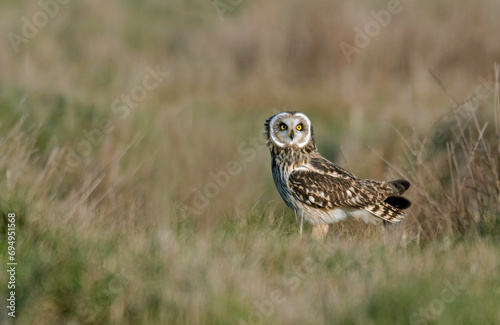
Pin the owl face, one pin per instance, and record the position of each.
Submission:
(289, 129)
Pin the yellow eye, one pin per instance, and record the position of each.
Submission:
(283, 126)
(299, 127)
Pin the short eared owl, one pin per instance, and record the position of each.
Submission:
(320, 191)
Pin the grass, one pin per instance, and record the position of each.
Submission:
(110, 227)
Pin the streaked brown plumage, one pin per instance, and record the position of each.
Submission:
(320, 191)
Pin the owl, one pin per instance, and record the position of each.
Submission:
(320, 191)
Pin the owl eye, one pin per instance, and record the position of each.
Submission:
(299, 127)
(283, 126)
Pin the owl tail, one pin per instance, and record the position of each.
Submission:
(391, 209)
(387, 212)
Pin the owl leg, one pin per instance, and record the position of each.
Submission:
(301, 221)
(320, 231)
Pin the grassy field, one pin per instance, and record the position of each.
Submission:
(132, 155)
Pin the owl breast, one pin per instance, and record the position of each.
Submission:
(281, 173)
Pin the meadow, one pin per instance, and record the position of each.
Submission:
(133, 157)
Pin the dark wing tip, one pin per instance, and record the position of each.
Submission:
(404, 183)
(398, 202)
(401, 185)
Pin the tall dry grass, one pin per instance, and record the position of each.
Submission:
(455, 169)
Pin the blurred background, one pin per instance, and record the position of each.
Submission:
(132, 152)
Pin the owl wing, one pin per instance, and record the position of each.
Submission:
(322, 184)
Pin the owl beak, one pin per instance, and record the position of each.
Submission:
(291, 135)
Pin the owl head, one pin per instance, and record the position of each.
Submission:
(289, 130)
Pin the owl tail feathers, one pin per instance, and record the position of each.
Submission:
(386, 211)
